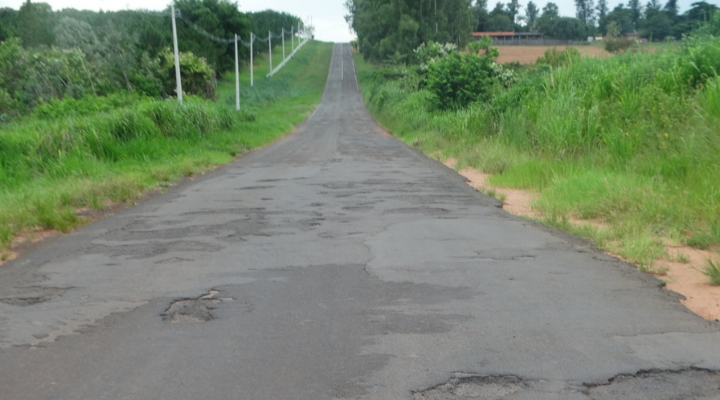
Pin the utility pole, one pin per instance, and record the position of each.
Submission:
(237, 76)
(292, 39)
(270, 50)
(252, 39)
(283, 42)
(177, 56)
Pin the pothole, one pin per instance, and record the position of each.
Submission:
(189, 311)
(472, 388)
(33, 295)
(25, 301)
(659, 385)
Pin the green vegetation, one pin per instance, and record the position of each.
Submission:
(631, 141)
(712, 271)
(46, 54)
(391, 29)
(71, 154)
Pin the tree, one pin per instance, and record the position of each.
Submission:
(566, 28)
(636, 9)
(34, 26)
(701, 11)
(672, 7)
(602, 9)
(71, 33)
(658, 27)
(531, 15)
(481, 15)
(384, 26)
(8, 23)
(513, 9)
(651, 8)
(500, 23)
(548, 18)
(585, 11)
(621, 17)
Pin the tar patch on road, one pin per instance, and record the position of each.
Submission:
(686, 384)
(660, 385)
(32, 295)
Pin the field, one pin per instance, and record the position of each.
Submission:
(529, 54)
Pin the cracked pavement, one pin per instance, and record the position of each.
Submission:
(338, 263)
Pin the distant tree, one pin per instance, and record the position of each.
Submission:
(531, 15)
(34, 26)
(566, 28)
(71, 33)
(585, 11)
(513, 9)
(636, 9)
(658, 26)
(551, 9)
(622, 17)
(8, 23)
(701, 11)
(501, 23)
(385, 27)
(651, 8)
(602, 9)
(481, 15)
(547, 19)
(672, 7)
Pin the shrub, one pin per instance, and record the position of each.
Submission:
(559, 58)
(617, 45)
(197, 76)
(459, 79)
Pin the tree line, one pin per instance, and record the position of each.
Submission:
(46, 54)
(654, 20)
(392, 29)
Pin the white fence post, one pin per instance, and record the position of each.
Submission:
(252, 66)
(237, 76)
(270, 50)
(177, 56)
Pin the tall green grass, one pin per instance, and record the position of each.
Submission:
(632, 140)
(83, 153)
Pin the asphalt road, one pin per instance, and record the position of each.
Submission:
(338, 263)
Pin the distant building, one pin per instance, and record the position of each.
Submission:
(510, 38)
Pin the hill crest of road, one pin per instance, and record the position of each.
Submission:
(338, 263)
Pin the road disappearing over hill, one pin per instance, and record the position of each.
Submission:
(338, 263)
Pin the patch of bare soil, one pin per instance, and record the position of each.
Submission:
(682, 269)
(530, 54)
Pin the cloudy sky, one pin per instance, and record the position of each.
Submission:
(327, 15)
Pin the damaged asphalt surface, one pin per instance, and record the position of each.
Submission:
(339, 263)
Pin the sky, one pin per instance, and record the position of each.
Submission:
(327, 15)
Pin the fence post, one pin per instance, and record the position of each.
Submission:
(283, 42)
(252, 66)
(292, 39)
(237, 76)
(270, 50)
(177, 56)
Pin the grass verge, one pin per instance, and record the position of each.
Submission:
(52, 167)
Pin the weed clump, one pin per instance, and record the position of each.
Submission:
(712, 271)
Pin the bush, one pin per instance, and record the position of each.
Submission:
(459, 79)
(617, 45)
(559, 58)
